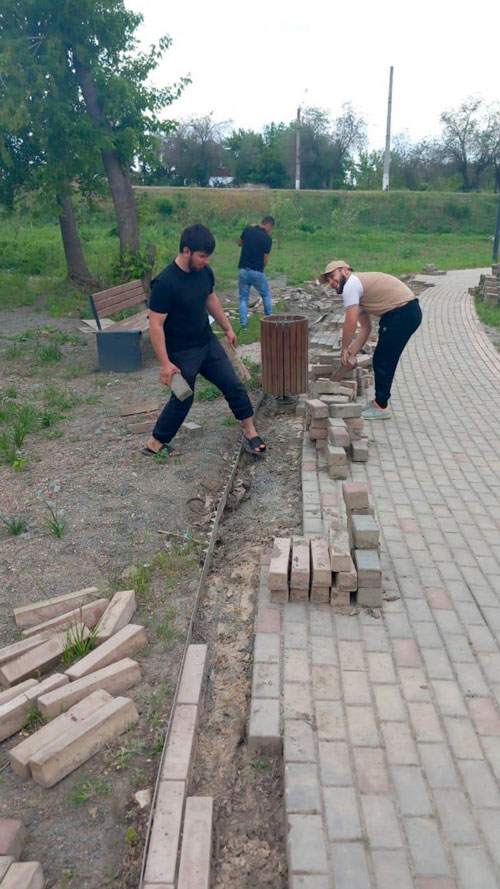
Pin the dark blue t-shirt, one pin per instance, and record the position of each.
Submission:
(183, 296)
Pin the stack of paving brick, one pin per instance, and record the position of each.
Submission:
(88, 717)
(364, 543)
(320, 570)
(15, 874)
(335, 424)
(489, 289)
(165, 867)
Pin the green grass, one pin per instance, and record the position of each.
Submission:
(487, 313)
(78, 644)
(55, 521)
(90, 789)
(15, 524)
(395, 232)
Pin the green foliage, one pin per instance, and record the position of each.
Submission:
(261, 764)
(487, 313)
(229, 421)
(55, 521)
(79, 642)
(207, 392)
(89, 789)
(164, 206)
(15, 524)
(34, 719)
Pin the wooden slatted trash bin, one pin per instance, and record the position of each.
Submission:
(284, 354)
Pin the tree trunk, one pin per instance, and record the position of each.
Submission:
(118, 177)
(75, 260)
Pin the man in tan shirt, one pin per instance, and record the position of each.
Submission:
(374, 293)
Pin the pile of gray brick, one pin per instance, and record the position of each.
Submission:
(489, 286)
(334, 423)
(364, 541)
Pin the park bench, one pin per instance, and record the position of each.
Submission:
(119, 342)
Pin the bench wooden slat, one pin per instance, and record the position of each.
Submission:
(118, 306)
(134, 322)
(118, 294)
(119, 289)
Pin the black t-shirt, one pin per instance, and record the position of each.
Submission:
(183, 296)
(256, 242)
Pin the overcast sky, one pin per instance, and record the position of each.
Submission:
(252, 62)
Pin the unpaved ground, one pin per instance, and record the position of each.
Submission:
(114, 502)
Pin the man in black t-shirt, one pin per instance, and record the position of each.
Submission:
(182, 295)
(256, 244)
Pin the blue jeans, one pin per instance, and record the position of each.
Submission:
(250, 278)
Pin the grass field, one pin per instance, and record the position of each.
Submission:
(396, 232)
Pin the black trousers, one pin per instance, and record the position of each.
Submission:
(395, 329)
(212, 362)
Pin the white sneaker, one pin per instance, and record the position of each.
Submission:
(373, 412)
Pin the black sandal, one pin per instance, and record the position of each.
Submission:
(250, 444)
(172, 452)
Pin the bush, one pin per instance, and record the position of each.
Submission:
(164, 206)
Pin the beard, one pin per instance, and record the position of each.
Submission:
(192, 265)
(342, 283)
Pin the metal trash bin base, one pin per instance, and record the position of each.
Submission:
(119, 351)
(284, 342)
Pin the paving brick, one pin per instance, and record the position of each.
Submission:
(400, 747)
(37, 612)
(463, 738)
(298, 741)
(264, 726)
(368, 567)
(15, 691)
(480, 784)
(296, 667)
(266, 648)
(334, 763)
(115, 678)
(339, 598)
(438, 598)
(406, 653)
(380, 667)
(449, 698)
(302, 793)
(13, 713)
(321, 572)
(320, 595)
(484, 716)
(411, 791)
(490, 825)
(390, 705)
(326, 682)
(117, 615)
(40, 659)
(306, 846)
(391, 869)
(323, 650)
(455, 817)
(347, 580)
(371, 772)
(381, 822)
(161, 862)
(87, 614)
(300, 571)
(355, 685)
(280, 564)
(12, 837)
(359, 450)
(297, 700)
(473, 867)
(365, 531)
(355, 495)
(362, 727)
(341, 810)
(351, 655)
(316, 408)
(16, 649)
(124, 643)
(330, 722)
(5, 863)
(181, 743)
(309, 881)
(24, 875)
(81, 740)
(266, 682)
(437, 663)
(439, 768)
(340, 555)
(435, 883)
(426, 849)
(350, 867)
(196, 850)
(425, 721)
(295, 636)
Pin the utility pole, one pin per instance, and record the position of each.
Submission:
(297, 151)
(497, 233)
(387, 155)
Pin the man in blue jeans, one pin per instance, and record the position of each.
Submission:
(256, 244)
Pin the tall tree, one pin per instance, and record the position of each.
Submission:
(471, 139)
(91, 48)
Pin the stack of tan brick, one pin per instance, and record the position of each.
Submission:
(319, 570)
(364, 542)
(335, 424)
(84, 690)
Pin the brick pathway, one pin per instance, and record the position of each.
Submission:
(392, 725)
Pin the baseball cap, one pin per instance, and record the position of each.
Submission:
(331, 267)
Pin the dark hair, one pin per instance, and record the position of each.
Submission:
(268, 220)
(197, 237)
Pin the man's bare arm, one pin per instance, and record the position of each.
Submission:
(348, 331)
(266, 257)
(214, 307)
(365, 324)
(157, 334)
(240, 242)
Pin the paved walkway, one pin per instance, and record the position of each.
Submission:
(405, 708)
